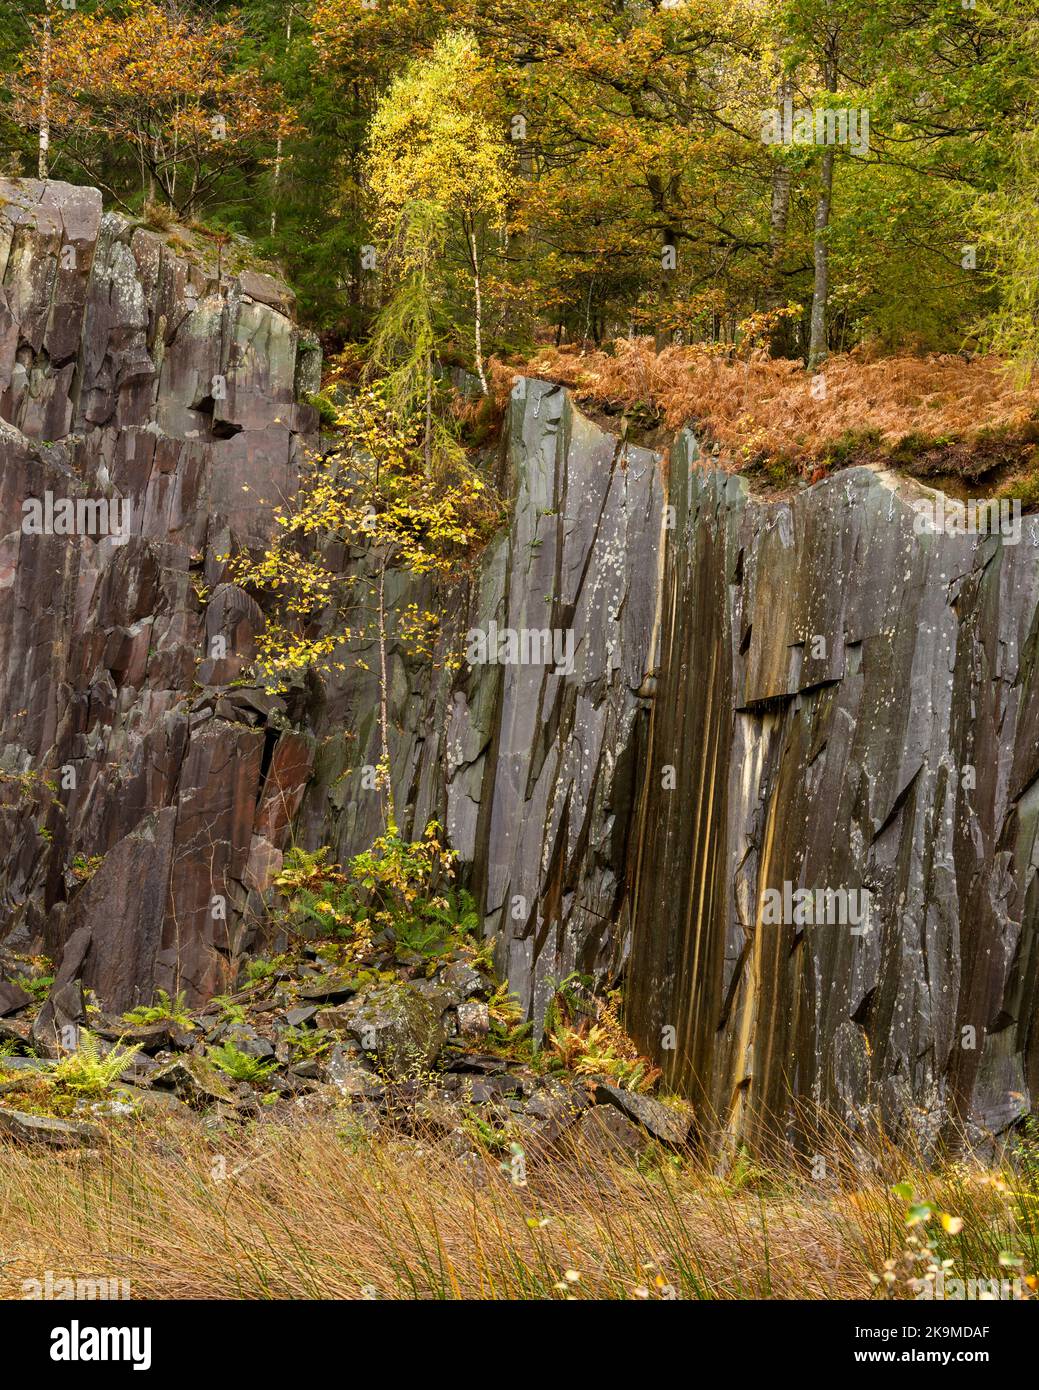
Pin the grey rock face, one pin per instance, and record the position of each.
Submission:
(532, 768)
(473, 1019)
(660, 1120)
(846, 704)
(195, 1079)
(604, 1133)
(558, 805)
(461, 981)
(130, 377)
(763, 697)
(401, 1030)
(12, 997)
(44, 1131)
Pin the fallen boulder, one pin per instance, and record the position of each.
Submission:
(661, 1121)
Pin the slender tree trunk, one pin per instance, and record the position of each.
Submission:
(277, 180)
(778, 219)
(782, 179)
(479, 315)
(176, 153)
(817, 345)
(140, 159)
(427, 439)
(45, 93)
(277, 157)
(359, 303)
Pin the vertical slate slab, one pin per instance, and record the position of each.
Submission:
(847, 704)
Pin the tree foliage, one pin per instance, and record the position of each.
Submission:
(370, 496)
(432, 140)
(1009, 222)
(436, 164)
(160, 83)
(594, 169)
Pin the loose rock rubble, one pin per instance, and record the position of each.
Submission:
(410, 1045)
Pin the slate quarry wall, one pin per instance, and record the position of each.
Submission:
(802, 693)
(849, 701)
(127, 372)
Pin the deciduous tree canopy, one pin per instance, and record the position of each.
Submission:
(818, 173)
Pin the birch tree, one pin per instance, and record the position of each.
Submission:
(46, 36)
(434, 146)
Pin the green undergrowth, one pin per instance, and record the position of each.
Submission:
(77, 1081)
(388, 919)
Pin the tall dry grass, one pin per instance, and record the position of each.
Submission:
(319, 1210)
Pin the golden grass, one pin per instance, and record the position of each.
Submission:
(317, 1210)
(764, 409)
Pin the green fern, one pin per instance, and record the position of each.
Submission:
(230, 1012)
(307, 1042)
(164, 1010)
(238, 1065)
(89, 1074)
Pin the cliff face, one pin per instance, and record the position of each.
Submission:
(534, 769)
(748, 695)
(847, 705)
(128, 374)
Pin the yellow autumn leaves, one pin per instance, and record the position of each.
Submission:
(372, 496)
(430, 141)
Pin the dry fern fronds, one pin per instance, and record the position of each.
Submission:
(763, 408)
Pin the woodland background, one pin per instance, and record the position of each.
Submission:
(550, 152)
